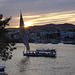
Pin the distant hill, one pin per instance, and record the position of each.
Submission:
(49, 27)
(53, 27)
(66, 26)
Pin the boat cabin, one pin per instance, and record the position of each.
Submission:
(41, 52)
(52, 51)
(2, 68)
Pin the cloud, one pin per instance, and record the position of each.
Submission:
(41, 19)
(38, 6)
(2, 1)
(42, 11)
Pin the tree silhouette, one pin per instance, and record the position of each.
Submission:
(5, 47)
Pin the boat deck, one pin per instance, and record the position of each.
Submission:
(41, 53)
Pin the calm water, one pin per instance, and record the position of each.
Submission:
(64, 64)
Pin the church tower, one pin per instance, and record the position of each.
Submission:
(21, 21)
(24, 34)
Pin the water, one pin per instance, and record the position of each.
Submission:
(64, 64)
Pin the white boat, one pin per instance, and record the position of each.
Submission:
(41, 53)
(38, 52)
(2, 70)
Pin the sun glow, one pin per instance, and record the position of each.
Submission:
(27, 24)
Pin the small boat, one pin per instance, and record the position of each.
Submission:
(41, 53)
(38, 52)
(2, 70)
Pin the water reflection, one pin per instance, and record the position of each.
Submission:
(64, 64)
(23, 64)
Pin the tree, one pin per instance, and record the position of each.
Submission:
(5, 47)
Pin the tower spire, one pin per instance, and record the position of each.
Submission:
(21, 21)
(24, 33)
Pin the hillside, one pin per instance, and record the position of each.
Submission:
(49, 27)
(53, 27)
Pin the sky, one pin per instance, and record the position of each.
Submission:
(38, 12)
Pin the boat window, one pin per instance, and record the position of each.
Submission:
(1, 70)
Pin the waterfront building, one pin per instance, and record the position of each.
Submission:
(68, 34)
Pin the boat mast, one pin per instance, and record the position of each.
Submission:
(24, 33)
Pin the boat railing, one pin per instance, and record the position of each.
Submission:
(51, 51)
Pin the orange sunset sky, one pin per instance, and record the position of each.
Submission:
(41, 19)
(38, 12)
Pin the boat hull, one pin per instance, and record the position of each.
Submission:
(39, 55)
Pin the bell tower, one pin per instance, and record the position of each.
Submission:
(21, 21)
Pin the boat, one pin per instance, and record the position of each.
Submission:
(37, 52)
(41, 53)
(2, 70)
